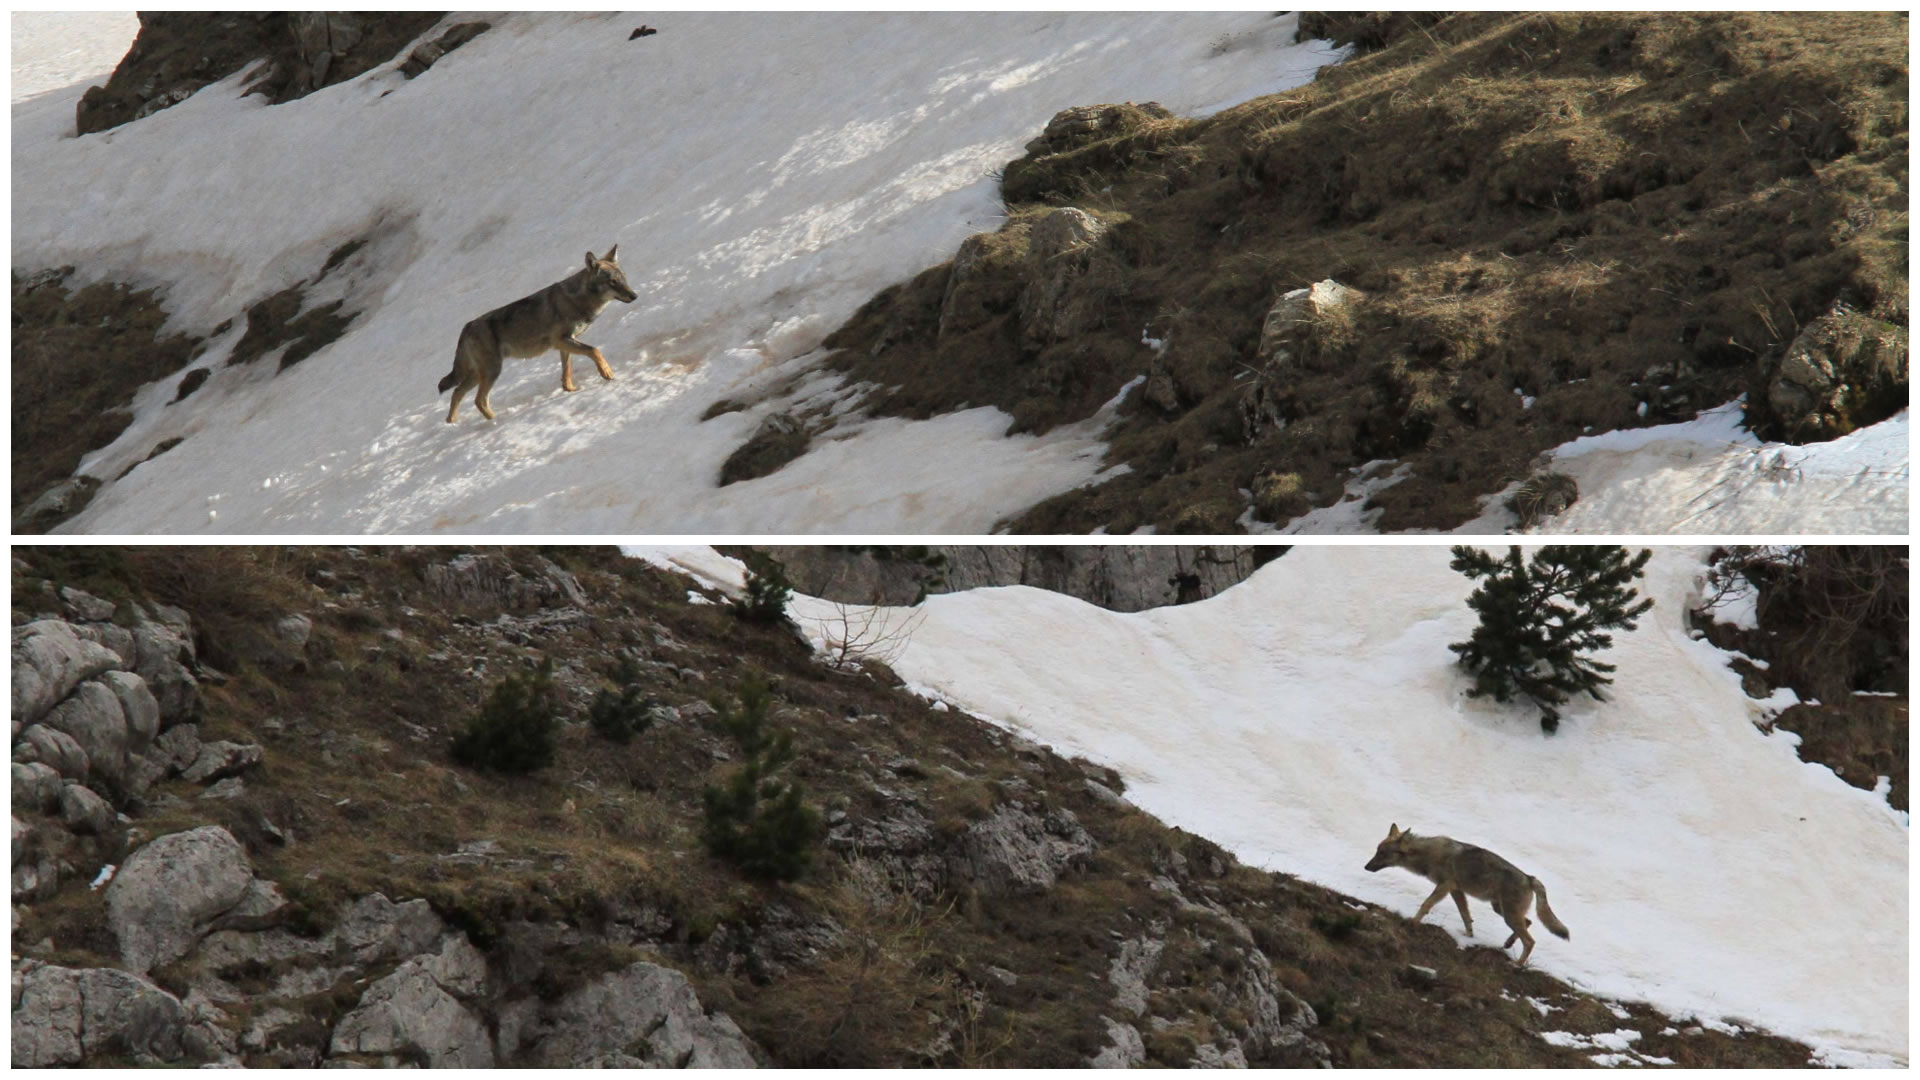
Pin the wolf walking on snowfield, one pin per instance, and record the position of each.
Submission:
(549, 319)
(1464, 870)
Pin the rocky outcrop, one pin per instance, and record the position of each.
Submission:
(1059, 298)
(1119, 578)
(49, 661)
(177, 53)
(417, 1012)
(779, 439)
(490, 581)
(1287, 343)
(1016, 852)
(1842, 372)
(644, 1016)
(65, 1016)
(163, 899)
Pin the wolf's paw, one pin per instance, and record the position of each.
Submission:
(569, 388)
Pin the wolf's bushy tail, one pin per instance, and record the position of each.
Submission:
(451, 377)
(1547, 916)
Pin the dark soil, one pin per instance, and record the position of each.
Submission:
(1618, 215)
(78, 359)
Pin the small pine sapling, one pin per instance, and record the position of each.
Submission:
(1539, 617)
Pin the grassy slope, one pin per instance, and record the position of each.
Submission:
(1606, 212)
(357, 773)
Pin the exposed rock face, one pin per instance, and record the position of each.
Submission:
(642, 1016)
(489, 580)
(1119, 578)
(62, 1016)
(161, 901)
(177, 53)
(1060, 250)
(779, 439)
(1286, 337)
(1015, 852)
(1124, 1049)
(1085, 123)
(1842, 372)
(417, 1011)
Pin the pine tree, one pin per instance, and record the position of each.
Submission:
(767, 590)
(515, 729)
(622, 715)
(756, 819)
(1539, 616)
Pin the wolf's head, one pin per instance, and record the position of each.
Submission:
(1389, 852)
(604, 277)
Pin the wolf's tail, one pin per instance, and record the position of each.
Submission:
(451, 377)
(1546, 913)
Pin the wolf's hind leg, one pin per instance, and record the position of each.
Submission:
(459, 391)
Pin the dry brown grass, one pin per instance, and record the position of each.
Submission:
(1590, 207)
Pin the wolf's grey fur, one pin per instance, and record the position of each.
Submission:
(1462, 870)
(549, 319)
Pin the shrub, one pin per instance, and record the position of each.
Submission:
(619, 716)
(514, 730)
(1537, 618)
(767, 590)
(755, 819)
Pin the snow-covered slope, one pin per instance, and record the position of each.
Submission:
(56, 49)
(763, 175)
(1700, 864)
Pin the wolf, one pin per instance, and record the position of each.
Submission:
(549, 319)
(1463, 870)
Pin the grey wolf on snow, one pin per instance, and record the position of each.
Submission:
(549, 319)
(1464, 870)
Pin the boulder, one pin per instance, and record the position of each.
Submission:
(222, 759)
(49, 661)
(167, 892)
(416, 1010)
(65, 1016)
(779, 439)
(93, 718)
(85, 605)
(57, 750)
(375, 928)
(36, 787)
(1843, 371)
(1014, 852)
(1124, 1048)
(137, 705)
(1059, 255)
(646, 1006)
(294, 631)
(84, 811)
(1290, 320)
(178, 747)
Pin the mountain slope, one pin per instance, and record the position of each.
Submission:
(763, 174)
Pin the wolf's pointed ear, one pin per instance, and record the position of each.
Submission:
(1393, 831)
(611, 250)
(591, 261)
